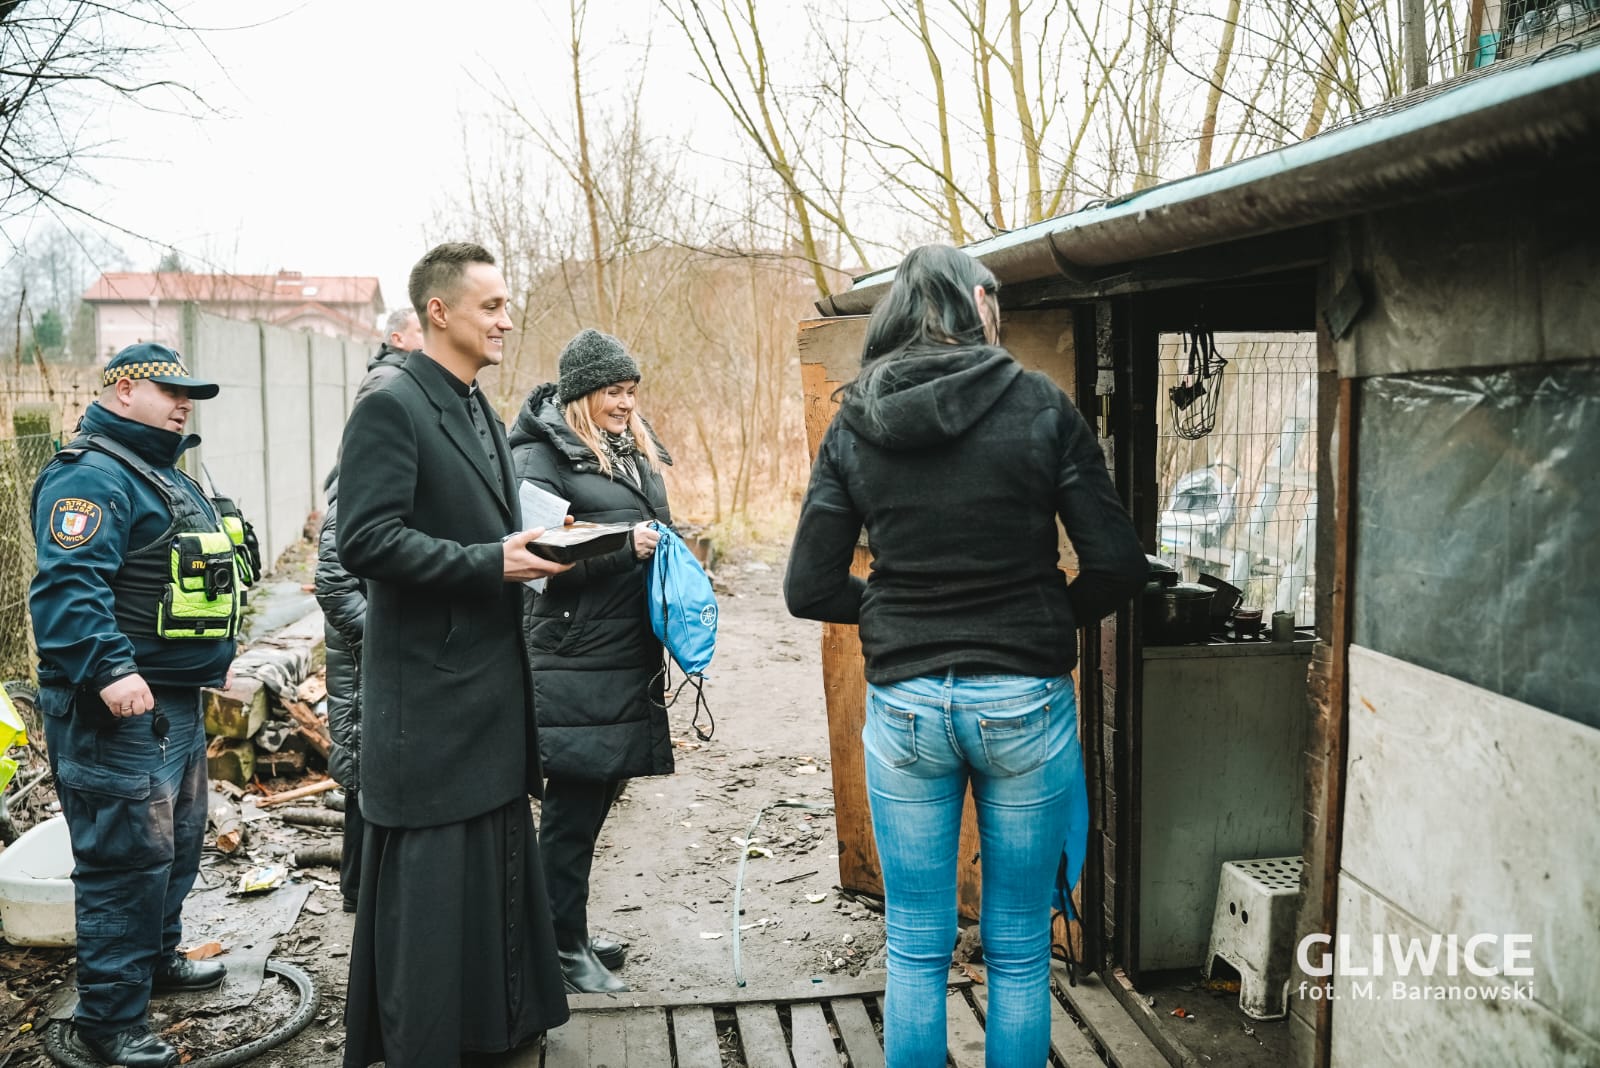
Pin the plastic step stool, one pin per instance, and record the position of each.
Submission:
(1252, 929)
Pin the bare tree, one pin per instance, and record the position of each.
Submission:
(1219, 74)
(731, 53)
(58, 60)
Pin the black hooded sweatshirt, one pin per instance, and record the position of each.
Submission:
(958, 464)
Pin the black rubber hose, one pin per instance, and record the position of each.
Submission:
(61, 1042)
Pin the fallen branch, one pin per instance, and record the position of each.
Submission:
(318, 856)
(322, 786)
(312, 817)
(311, 726)
(224, 819)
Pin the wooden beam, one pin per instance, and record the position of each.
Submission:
(857, 1033)
(1143, 348)
(811, 1042)
(866, 984)
(1101, 1007)
(1337, 691)
(963, 1033)
(761, 1036)
(694, 1033)
(1092, 684)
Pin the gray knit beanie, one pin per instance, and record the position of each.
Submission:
(592, 361)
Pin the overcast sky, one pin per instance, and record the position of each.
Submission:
(340, 127)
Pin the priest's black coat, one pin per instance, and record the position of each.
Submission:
(447, 719)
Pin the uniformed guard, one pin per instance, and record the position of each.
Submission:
(135, 607)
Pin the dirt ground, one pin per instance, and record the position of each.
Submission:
(667, 872)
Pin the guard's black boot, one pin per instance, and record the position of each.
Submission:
(582, 969)
(177, 972)
(612, 954)
(137, 1047)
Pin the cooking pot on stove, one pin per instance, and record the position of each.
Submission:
(1179, 614)
(1161, 571)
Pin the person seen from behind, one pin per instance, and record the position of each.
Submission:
(959, 464)
(599, 701)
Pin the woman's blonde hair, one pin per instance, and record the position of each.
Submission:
(580, 415)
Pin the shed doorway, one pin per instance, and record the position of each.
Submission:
(1222, 716)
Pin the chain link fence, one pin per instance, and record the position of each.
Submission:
(37, 406)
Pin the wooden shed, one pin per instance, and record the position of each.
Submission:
(1400, 453)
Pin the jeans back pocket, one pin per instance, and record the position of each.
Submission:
(890, 734)
(1016, 745)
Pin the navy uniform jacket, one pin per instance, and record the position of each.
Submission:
(87, 514)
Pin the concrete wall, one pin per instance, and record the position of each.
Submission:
(231, 425)
(355, 369)
(271, 436)
(326, 401)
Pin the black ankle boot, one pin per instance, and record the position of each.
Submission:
(137, 1047)
(612, 954)
(177, 972)
(581, 969)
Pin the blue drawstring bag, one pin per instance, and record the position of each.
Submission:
(683, 615)
(1074, 849)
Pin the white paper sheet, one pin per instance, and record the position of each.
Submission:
(540, 508)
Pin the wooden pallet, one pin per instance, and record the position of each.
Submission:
(828, 1024)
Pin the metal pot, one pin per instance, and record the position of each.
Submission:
(1161, 571)
(1178, 615)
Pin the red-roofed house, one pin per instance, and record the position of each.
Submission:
(148, 306)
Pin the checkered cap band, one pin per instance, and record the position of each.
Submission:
(146, 369)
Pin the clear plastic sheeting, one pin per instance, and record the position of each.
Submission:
(1477, 549)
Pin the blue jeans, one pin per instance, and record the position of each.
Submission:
(137, 813)
(1015, 738)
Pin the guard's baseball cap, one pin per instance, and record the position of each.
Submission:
(157, 363)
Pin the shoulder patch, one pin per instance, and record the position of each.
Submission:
(73, 521)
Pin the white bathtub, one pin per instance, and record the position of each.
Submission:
(36, 896)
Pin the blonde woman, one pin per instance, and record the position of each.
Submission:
(596, 665)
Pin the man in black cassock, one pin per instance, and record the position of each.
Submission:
(454, 952)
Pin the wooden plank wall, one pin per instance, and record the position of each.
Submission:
(830, 354)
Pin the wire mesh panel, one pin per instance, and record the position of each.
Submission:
(1239, 502)
(36, 408)
(1530, 26)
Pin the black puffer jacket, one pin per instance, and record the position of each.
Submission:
(384, 365)
(597, 678)
(343, 599)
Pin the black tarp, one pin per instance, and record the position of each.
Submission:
(1477, 549)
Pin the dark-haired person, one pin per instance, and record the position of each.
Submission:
(453, 952)
(602, 718)
(959, 464)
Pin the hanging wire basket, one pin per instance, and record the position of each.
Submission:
(1194, 398)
